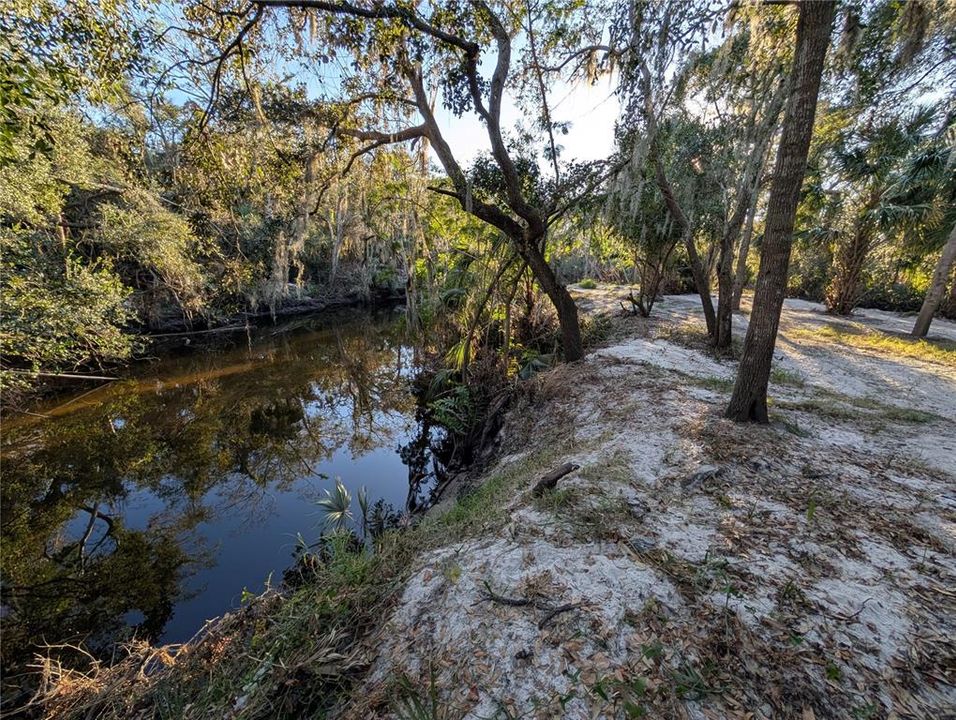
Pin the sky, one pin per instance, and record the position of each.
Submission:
(591, 109)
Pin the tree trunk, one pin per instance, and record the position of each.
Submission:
(702, 283)
(762, 153)
(749, 400)
(558, 294)
(723, 329)
(728, 298)
(300, 226)
(696, 266)
(937, 286)
(338, 232)
(949, 308)
(843, 294)
(740, 277)
(723, 335)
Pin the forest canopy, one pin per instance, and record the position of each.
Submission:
(174, 166)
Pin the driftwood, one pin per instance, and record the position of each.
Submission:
(551, 479)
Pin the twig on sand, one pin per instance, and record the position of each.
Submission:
(551, 611)
(490, 595)
(849, 618)
(557, 611)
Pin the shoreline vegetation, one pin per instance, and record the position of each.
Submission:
(178, 335)
(371, 630)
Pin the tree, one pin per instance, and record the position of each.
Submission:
(52, 51)
(937, 286)
(733, 91)
(699, 271)
(867, 159)
(638, 213)
(920, 205)
(658, 35)
(749, 400)
(400, 50)
(743, 79)
(891, 60)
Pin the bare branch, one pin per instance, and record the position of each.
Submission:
(582, 52)
(234, 46)
(544, 97)
(382, 137)
(379, 139)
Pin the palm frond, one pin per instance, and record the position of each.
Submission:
(337, 504)
(890, 215)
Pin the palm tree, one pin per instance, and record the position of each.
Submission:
(937, 286)
(922, 203)
(868, 167)
(337, 505)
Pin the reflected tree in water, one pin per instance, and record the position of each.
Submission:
(201, 435)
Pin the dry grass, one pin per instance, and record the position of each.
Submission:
(101, 690)
(857, 336)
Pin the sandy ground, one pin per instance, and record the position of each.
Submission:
(695, 568)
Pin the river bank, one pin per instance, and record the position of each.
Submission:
(688, 567)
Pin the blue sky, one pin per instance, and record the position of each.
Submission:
(591, 109)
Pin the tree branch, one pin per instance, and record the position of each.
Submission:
(231, 48)
(493, 123)
(544, 98)
(377, 12)
(384, 138)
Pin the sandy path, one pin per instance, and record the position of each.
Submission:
(707, 569)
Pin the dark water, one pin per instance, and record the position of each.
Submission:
(148, 506)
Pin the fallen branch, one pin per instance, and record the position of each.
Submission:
(71, 376)
(703, 474)
(551, 479)
(557, 611)
(849, 618)
(227, 328)
(551, 611)
(491, 596)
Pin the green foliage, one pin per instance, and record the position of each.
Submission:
(58, 312)
(411, 704)
(144, 234)
(160, 239)
(454, 409)
(52, 51)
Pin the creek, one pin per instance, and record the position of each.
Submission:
(150, 505)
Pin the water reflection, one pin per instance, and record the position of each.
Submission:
(144, 508)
